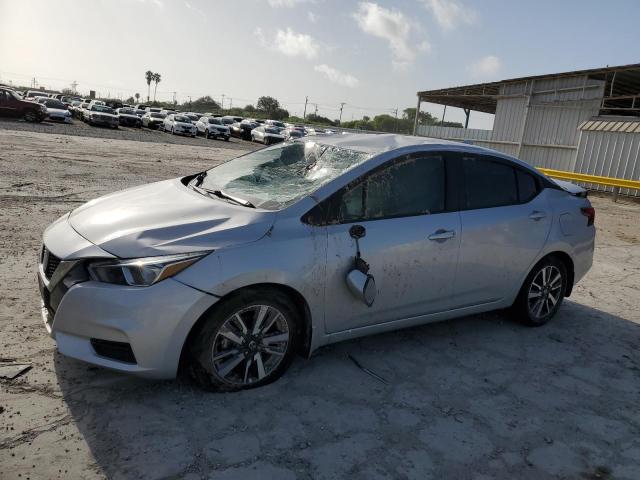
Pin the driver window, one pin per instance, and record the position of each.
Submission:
(409, 186)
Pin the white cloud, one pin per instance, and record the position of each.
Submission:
(450, 13)
(486, 67)
(285, 3)
(336, 76)
(290, 43)
(392, 26)
(195, 9)
(313, 18)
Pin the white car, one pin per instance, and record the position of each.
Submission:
(179, 125)
(267, 135)
(56, 110)
(212, 127)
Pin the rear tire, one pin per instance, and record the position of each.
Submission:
(230, 355)
(542, 293)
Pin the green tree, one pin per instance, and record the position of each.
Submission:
(203, 104)
(148, 75)
(268, 105)
(137, 95)
(157, 78)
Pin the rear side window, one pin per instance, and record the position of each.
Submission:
(408, 187)
(488, 184)
(527, 186)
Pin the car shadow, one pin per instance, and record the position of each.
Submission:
(477, 394)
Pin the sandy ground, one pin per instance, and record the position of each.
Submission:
(474, 398)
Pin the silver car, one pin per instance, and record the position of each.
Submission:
(231, 271)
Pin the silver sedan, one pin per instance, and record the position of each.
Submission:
(232, 271)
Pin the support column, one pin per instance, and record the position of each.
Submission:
(415, 120)
(467, 112)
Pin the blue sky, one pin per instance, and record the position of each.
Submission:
(374, 56)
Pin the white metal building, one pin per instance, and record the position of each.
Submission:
(585, 121)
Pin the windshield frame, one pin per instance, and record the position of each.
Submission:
(203, 180)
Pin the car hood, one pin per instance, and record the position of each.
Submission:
(103, 114)
(57, 110)
(183, 124)
(128, 115)
(166, 218)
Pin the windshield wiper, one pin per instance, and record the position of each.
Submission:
(200, 178)
(226, 196)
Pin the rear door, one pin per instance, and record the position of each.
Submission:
(411, 242)
(505, 224)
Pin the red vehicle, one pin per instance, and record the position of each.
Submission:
(12, 105)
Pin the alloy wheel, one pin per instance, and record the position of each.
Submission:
(250, 345)
(545, 291)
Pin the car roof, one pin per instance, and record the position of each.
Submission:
(378, 143)
(384, 142)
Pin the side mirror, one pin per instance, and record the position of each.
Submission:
(362, 286)
(360, 282)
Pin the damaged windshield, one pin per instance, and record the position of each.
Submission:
(278, 176)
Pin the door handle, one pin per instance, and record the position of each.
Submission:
(441, 235)
(537, 215)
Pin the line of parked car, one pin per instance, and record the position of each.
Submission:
(36, 106)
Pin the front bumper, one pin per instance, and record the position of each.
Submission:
(103, 121)
(154, 321)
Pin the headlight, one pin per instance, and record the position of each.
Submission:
(142, 272)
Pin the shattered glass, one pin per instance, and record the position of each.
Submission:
(278, 176)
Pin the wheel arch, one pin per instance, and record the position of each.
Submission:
(566, 259)
(297, 299)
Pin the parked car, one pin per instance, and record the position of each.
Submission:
(243, 129)
(32, 94)
(153, 120)
(194, 116)
(13, 105)
(139, 112)
(230, 272)
(228, 121)
(168, 112)
(114, 103)
(153, 110)
(292, 133)
(82, 111)
(212, 127)
(266, 135)
(56, 110)
(75, 109)
(141, 106)
(275, 123)
(128, 118)
(179, 125)
(97, 114)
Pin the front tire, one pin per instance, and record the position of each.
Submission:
(246, 342)
(542, 293)
(30, 116)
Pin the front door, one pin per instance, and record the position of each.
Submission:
(411, 243)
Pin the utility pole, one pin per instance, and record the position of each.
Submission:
(230, 103)
(342, 104)
(74, 85)
(396, 114)
(316, 110)
(304, 115)
(222, 106)
(174, 99)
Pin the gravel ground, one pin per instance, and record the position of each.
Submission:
(78, 128)
(474, 398)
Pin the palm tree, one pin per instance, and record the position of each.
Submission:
(137, 95)
(148, 75)
(156, 78)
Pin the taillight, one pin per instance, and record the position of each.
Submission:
(590, 213)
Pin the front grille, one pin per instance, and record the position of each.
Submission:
(49, 263)
(120, 351)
